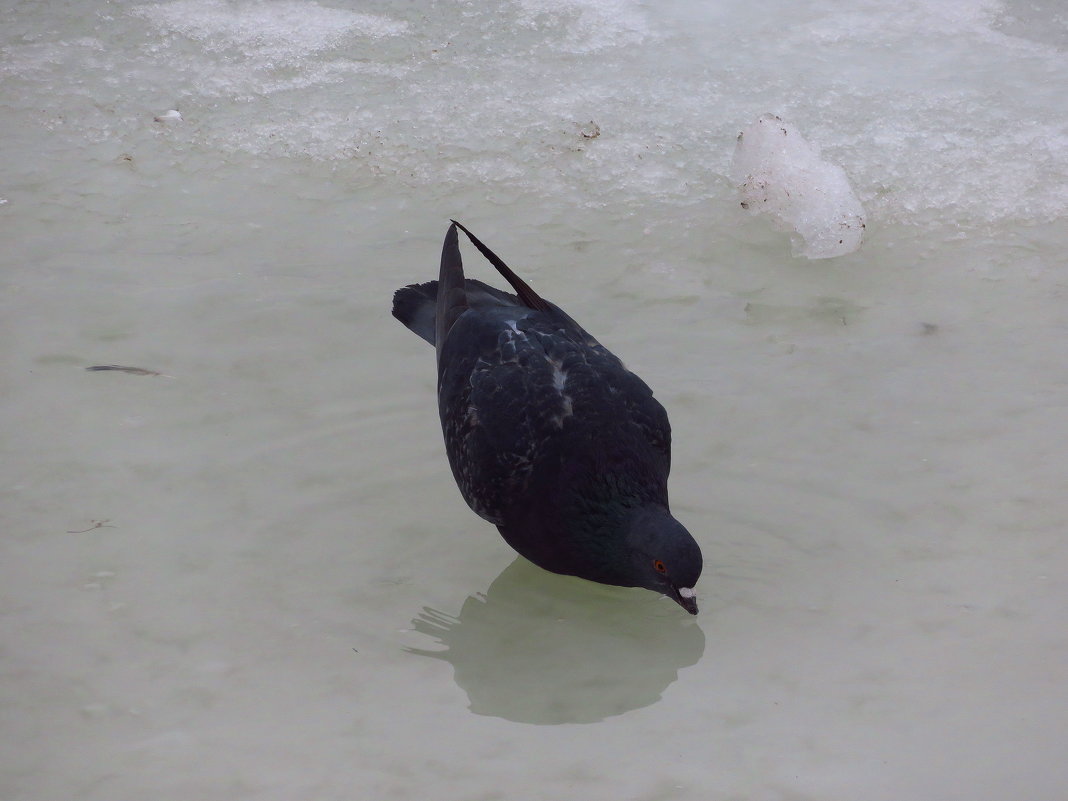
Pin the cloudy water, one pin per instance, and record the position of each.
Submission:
(244, 570)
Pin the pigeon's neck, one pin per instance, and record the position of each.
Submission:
(614, 483)
(579, 523)
(598, 520)
(578, 536)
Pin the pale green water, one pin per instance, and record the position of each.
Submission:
(289, 599)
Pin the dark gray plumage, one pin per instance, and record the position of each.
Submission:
(549, 436)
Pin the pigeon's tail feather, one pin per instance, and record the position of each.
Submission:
(452, 297)
(529, 297)
(414, 306)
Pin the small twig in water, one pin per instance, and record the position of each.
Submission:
(122, 369)
(96, 524)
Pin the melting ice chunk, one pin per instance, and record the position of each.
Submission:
(783, 175)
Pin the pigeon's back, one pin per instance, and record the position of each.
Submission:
(521, 394)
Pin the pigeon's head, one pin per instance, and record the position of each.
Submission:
(665, 558)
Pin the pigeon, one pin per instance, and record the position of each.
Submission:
(549, 436)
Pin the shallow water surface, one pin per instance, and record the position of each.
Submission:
(252, 576)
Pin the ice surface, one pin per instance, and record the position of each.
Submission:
(285, 31)
(782, 175)
(499, 94)
(587, 26)
(286, 598)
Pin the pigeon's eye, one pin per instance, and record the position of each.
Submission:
(659, 566)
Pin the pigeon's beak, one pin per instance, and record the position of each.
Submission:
(686, 598)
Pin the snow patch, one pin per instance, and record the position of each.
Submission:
(784, 176)
(282, 31)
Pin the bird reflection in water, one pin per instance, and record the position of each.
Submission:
(547, 649)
